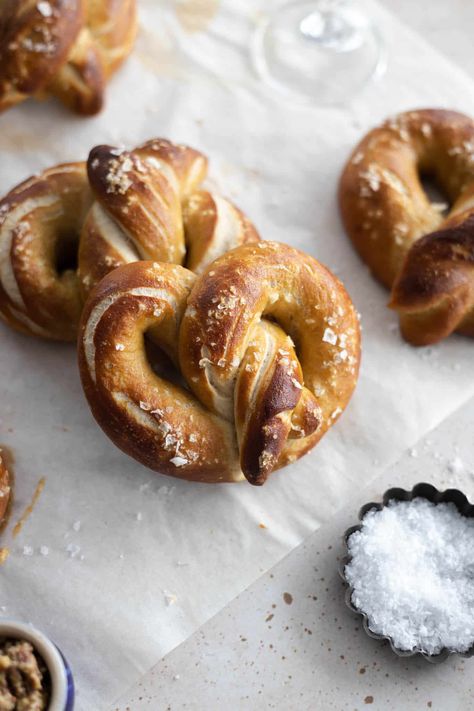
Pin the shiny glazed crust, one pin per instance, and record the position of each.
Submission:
(424, 257)
(266, 339)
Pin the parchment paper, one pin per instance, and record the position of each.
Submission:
(152, 558)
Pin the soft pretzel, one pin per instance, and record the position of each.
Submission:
(425, 258)
(67, 48)
(39, 223)
(5, 491)
(125, 206)
(266, 339)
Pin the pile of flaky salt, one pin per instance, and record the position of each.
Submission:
(412, 573)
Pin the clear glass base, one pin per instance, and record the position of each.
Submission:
(319, 51)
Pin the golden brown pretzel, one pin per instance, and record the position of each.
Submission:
(386, 212)
(143, 204)
(39, 224)
(267, 340)
(5, 491)
(67, 48)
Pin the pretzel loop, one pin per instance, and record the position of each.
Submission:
(138, 210)
(40, 224)
(396, 228)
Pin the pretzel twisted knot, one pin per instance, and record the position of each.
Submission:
(266, 339)
(425, 257)
(67, 48)
(63, 230)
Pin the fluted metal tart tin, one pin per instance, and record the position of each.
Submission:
(425, 491)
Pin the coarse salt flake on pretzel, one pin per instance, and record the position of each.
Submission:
(64, 229)
(424, 256)
(65, 48)
(266, 341)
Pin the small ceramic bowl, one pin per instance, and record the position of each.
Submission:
(425, 491)
(62, 684)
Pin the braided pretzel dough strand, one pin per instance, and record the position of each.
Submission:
(147, 206)
(160, 424)
(40, 223)
(434, 293)
(245, 368)
(386, 211)
(138, 210)
(213, 226)
(68, 48)
(5, 491)
(271, 404)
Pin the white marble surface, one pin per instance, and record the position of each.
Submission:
(289, 641)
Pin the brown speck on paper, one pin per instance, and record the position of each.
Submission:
(287, 598)
(4, 553)
(195, 15)
(29, 509)
(369, 700)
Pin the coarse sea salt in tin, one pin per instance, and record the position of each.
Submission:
(410, 569)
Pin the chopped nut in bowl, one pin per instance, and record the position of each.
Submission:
(34, 676)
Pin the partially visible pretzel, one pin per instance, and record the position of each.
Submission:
(142, 204)
(68, 48)
(40, 221)
(5, 491)
(266, 339)
(426, 259)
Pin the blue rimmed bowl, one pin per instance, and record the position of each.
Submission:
(425, 491)
(62, 684)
